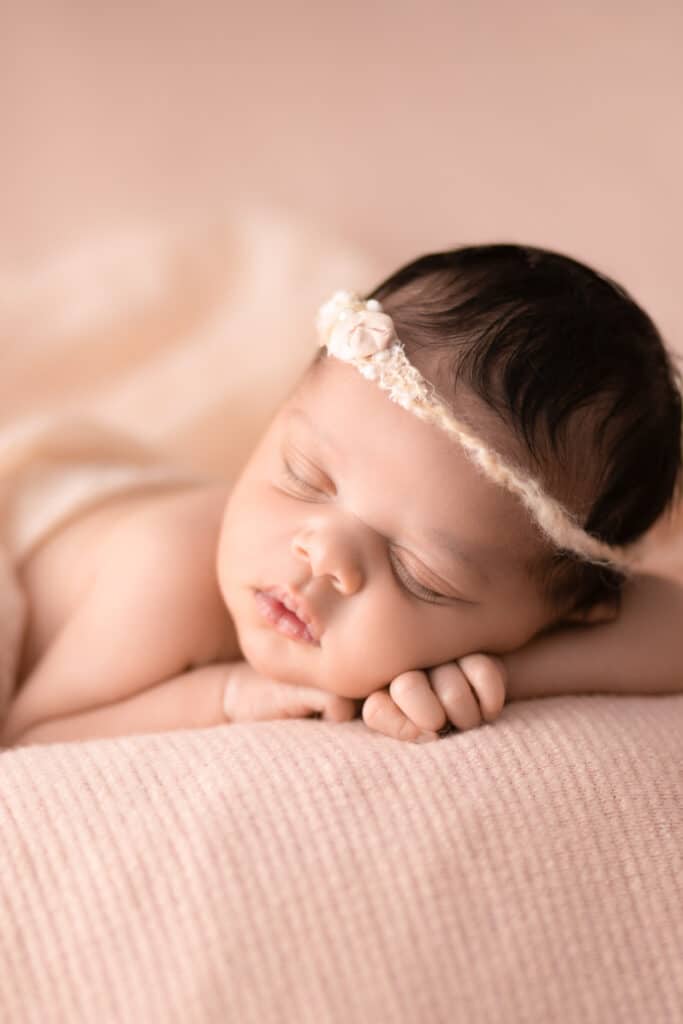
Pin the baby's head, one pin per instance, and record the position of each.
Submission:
(406, 544)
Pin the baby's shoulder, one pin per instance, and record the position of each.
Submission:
(172, 545)
(172, 537)
(168, 520)
(164, 542)
(190, 517)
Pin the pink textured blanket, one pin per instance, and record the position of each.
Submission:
(299, 872)
(293, 872)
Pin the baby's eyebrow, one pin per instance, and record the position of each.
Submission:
(299, 414)
(471, 558)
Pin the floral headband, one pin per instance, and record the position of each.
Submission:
(360, 333)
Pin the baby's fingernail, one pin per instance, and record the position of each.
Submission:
(426, 737)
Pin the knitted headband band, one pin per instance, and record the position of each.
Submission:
(359, 333)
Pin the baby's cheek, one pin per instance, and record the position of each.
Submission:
(509, 628)
(369, 653)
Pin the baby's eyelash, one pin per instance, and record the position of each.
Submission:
(293, 478)
(417, 588)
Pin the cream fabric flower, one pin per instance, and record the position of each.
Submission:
(359, 334)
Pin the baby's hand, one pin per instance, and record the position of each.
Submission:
(250, 697)
(417, 705)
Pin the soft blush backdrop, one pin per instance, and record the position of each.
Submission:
(401, 126)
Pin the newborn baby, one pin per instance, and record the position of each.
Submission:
(464, 467)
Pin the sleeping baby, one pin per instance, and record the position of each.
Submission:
(441, 516)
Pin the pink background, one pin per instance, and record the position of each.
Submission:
(402, 127)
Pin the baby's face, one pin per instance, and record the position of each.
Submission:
(403, 554)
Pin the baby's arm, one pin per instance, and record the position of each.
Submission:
(639, 652)
(199, 699)
(191, 700)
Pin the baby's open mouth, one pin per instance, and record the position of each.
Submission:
(276, 607)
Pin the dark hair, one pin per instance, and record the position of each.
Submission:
(563, 355)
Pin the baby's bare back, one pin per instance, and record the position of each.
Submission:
(119, 599)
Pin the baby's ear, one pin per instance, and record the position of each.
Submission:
(602, 611)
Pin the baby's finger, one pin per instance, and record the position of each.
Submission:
(302, 701)
(338, 709)
(382, 714)
(487, 676)
(413, 694)
(453, 690)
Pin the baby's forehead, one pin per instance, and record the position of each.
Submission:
(362, 406)
(348, 411)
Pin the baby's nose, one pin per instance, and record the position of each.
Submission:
(329, 554)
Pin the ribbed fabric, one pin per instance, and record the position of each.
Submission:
(297, 871)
